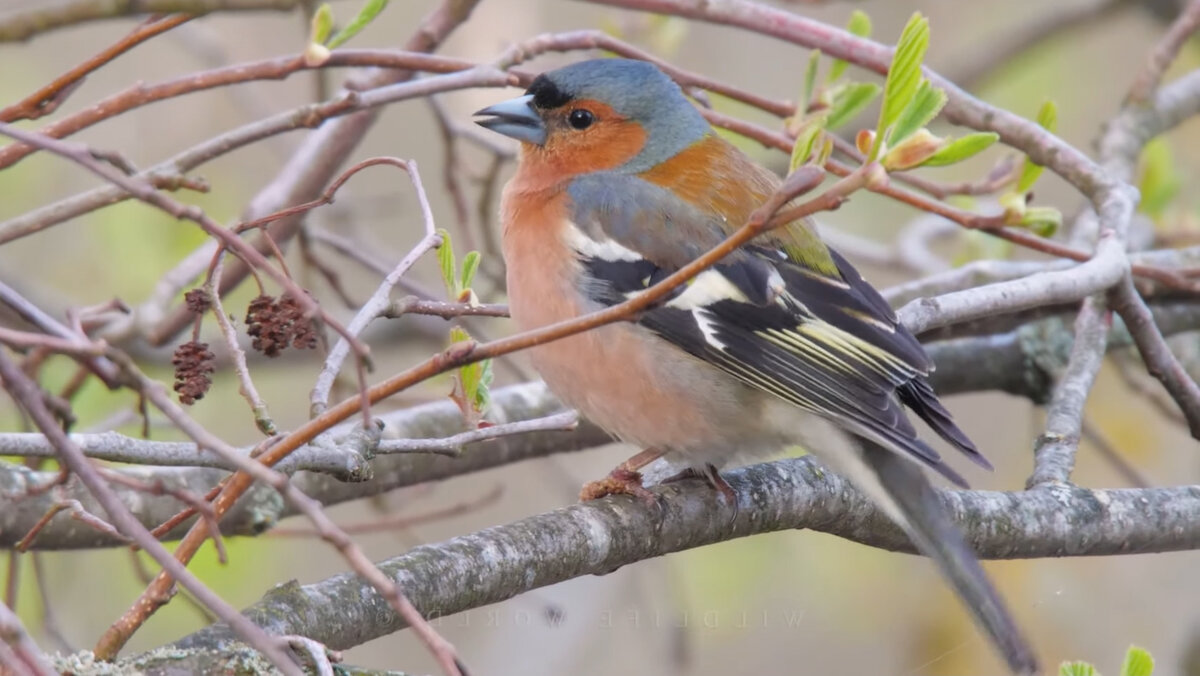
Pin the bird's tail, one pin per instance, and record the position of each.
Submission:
(912, 501)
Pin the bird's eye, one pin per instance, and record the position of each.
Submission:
(580, 118)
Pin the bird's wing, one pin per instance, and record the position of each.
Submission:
(829, 345)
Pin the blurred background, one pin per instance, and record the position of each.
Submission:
(765, 604)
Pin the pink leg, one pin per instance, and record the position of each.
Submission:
(710, 476)
(625, 479)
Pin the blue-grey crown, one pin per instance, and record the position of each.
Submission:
(637, 90)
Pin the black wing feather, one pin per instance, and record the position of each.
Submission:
(830, 345)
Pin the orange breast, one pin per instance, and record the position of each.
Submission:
(621, 377)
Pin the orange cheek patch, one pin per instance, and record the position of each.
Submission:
(607, 144)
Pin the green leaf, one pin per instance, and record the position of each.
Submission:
(810, 80)
(1043, 221)
(825, 152)
(962, 148)
(470, 266)
(849, 100)
(1076, 669)
(483, 397)
(1138, 662)
(469, 377)
(860, 25)
(1047, 117)
(445, 254)
(924, 106)
(904, 76)
(366, 15)
(322, 24)
(805, 140)
(1159, 180)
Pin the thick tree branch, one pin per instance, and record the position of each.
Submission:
(1023, 363)
(598, 537)
(262, 507)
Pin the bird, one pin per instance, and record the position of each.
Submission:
(621, 181)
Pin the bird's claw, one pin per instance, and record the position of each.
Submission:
(713, 478)
(620, 481)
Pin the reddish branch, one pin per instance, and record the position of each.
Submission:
(146, 192)
(28, 394)
(47, 99)
(268, 69)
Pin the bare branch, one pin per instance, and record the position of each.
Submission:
(19, 652)
(262, 416)
(263, 506)
(1040, 289)
(277, 68)
(453, 446)
(1054, 451)
(1159, 359)
(40, 17)
(443, 309)
(1022, 362)
(47, 99)
(597, 537)
(103, 368)
(1164, 53)
(29, 395)
(319, 399)
(324, 151)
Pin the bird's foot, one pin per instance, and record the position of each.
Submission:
(710, 476)
(620, 481)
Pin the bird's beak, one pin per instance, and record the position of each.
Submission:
(515, 118)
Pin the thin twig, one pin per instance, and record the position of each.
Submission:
(453, 446)
(146, 192)
(1036, 290)
(104, 369)
(78, 513)
(276, 68)
(1160, 361)
(159, 487)
(40, 17)
(319, 399)
(1163, 54)
(258, 407)
(154, 392)
(29, 395)
(445, 310)
(991, 225)
(320, 656)
(21, 654)
(47, 99)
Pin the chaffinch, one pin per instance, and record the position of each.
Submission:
(621, 182)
